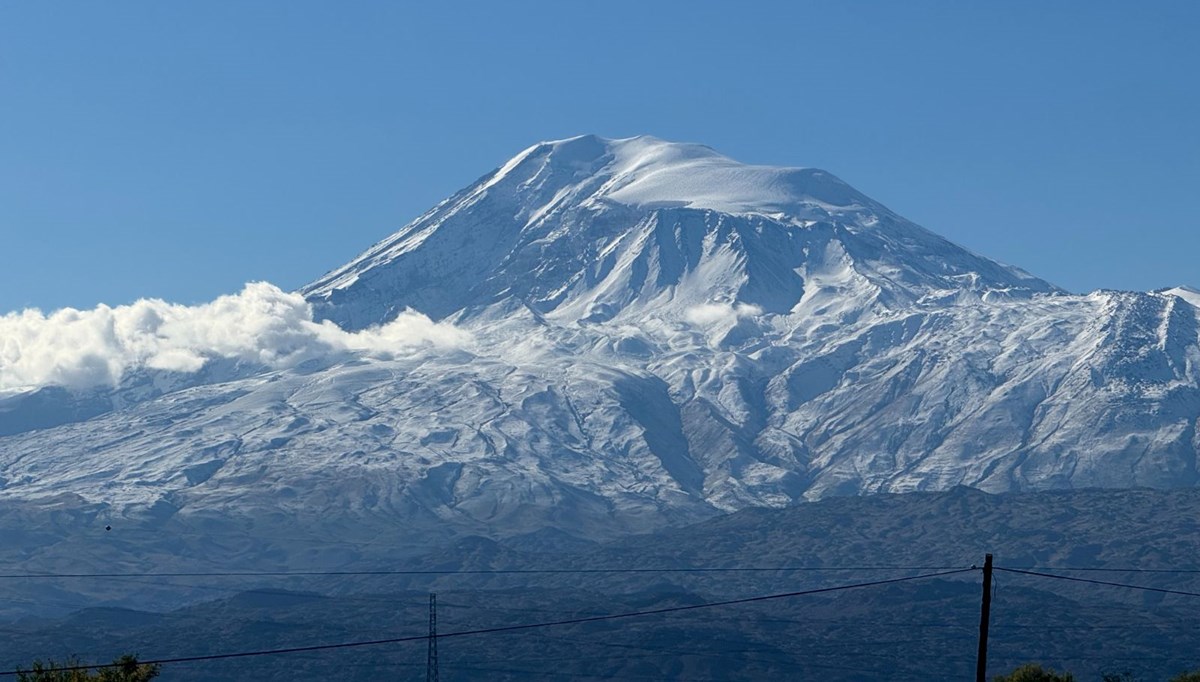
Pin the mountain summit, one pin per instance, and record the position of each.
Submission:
(582, 228)
(650, 332)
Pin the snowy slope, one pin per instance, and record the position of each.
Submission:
(658, 333)
(581, 228)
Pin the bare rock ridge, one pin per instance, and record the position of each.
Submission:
(657, 334)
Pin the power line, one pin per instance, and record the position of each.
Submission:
(1098, 582)
(1024, 657)
(1163, 625)
(482, 571)
(579, 675)
(745, 655)
(543, 673)
(826, 649)
(513, 628)
(1110, 569)
(232, 591)
(650, 652)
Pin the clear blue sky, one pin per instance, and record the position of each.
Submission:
(177, 150)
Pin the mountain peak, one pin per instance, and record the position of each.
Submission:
(648, 172)
(585, 227)
(1187, 293)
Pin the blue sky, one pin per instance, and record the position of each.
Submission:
(178, 150)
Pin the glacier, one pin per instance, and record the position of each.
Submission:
(657, 334)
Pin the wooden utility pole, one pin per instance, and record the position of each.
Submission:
(985, 617)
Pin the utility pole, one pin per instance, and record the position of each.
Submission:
(431, 659)
(985, 617)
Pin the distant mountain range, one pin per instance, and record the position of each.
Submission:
(920, 630)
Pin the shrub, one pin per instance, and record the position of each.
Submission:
(124, 669)
(1032, 672)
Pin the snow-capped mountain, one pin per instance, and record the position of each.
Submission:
(650, 332)
(581, 229)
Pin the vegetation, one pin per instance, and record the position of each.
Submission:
(1032, 672)
(124, 669)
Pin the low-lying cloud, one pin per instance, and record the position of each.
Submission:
(709, 314)
(261, 324)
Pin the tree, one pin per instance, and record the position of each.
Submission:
(124, 669)
(1193, 676)
(1032, 672)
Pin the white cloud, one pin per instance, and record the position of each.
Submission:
(261, 324)
(710, 314)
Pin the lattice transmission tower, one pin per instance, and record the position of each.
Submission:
(431, 658)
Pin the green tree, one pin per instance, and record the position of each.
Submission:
(1032, 672)
(1193, 676)
(124, 669)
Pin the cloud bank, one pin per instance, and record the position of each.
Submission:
(261, 324)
